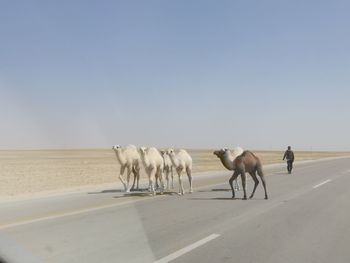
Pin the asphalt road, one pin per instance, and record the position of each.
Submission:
(306, 219)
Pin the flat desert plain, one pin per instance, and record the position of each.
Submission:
(24, 172)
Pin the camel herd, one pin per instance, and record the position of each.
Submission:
(156, 163)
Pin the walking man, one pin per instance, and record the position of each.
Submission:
(289, 155)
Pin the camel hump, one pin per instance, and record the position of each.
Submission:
(246, 152)
(251, 154)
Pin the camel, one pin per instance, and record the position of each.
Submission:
(128, 158)
(154, 165)
(247, 162)
(231, 155)
(182, 161)
(168, 169)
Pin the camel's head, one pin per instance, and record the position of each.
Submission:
(116, 147)
(163, 152)
(170, 152)
(220, 153)
(143, 151)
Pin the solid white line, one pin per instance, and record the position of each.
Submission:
(91, 209)
(187, 249)
(64, 214)
(318, 185)
(84, 210)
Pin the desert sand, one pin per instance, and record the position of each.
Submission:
(24, 172)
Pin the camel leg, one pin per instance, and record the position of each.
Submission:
(189, 175)
(262, 177)
(122, 169)
(167, 178)
(148, 171)
(236, 185)
(133, 183)
(137, 178)
(161, 183)
(181, 188)
(152, 174)
(243, 177)
(128, 179)
(157, 184)
(172, 177)
(233, 177)
(158, 179)
(134, 173)
(256, 182)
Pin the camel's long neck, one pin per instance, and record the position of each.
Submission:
(228, 162)
(174, 160)
(120, 156)
(145, 159)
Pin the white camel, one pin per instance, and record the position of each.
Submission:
(168, 169)
(128, 158)
(182, 161)
(153, 163)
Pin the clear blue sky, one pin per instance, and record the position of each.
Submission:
(194, 74)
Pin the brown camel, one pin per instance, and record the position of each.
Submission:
(247, 162)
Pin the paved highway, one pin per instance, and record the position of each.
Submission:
(306, 219)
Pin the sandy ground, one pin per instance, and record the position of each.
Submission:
(27, 172)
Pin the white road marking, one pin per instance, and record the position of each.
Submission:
(54, 216)
(86, 210)
(187, 249)
(81, 211)
(91, 209)
(320, 184)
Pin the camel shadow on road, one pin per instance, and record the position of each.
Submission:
(215, 198)
(140, 192)
(108, 191)
(225, 198)
(215, 190)
(144, 194)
